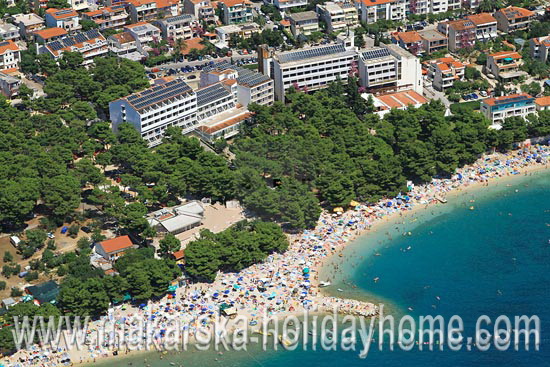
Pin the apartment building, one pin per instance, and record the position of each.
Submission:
(179, 27)
(90, 44)
(150, 112)
(144, 32)
(443, 72)
(112, 17)
(505, 65)
(287, 4)
(78, 5)
(389, 68)
(460, 33)
(9, 85)
(513, 19)
(500, 108)
(338, 16)
(28, 23)
(371, 11)
(125, 45)
(235, 11)
(67, 19)
(432, 6)
(305, 23)
(410, 41)
(44, 36)
(312, 68)
(486, 26)
(433, 41)
(9, 31)
(149, 10)
(39, 4)
(252, 87)
(225, 33)
(539, 48)
(10, 56)
(201, 9)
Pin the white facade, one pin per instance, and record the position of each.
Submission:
(10, 57)
(500, 108)
(389, 68)
(338, 16)
(152, 111)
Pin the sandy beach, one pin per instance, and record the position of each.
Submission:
(289, 283)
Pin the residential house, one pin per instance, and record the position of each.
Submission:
(149, 10)
(40, 4)
(539, 48)
(433, 41)
(410, 41)
(179, 27)
(44, 36)
(443, 72)
(201, 9)
(114, 248)
(235, 11)
(287, 4)
(497, 109)
(90, 44)
(125, 45)
(9, 85)
(371, 11)
(28, 23)
(338, 16)
(78, 5)
(150, 112)
(228, 32)
(513, 19)
(389, 68)
(9, 31)
(403, 100)
(461, 33)
(305, 23)
(505, 65)
(112, 17)
(10, 56)
(67, 19)
(144, 32)
(486, 26)
(543, 103)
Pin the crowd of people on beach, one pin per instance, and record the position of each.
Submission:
(288, 282)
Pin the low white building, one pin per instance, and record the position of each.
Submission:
(398, 100)
(9, 31)
(169, 103)
(10, 56)
(177, 219)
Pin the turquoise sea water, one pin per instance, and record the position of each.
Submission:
(492, 260)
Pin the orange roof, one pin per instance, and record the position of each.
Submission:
(461, 24)
(227, 123)
(6, 46)
(229, 82)
(50, 32)
(178, 255)
(116, 244)
(492, 101)
(141, 2)
(230, 3)
(375, 2)
(408, 37)
(166, 3)
(124, 37)
(62, 13)
(194, 43)
(506, 54)
(402, 99)
(482, 18)
(543, 101)
(513, 12)
(285, 23)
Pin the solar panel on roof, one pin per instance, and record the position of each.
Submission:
(159, 93)
(311, 53)
(211, 93)
(375, 53)
(512, 100)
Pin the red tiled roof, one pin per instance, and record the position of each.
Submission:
(375, 2)
(116, 244)
(62, 13)
(482, 18)
(506, 54)
(178, 255)
(493, 100)
(513, 12)
(230, 3)
(227, 123)
(402, 99)
(543, 101)
(408, 37)
(50, 33)
(8, 45)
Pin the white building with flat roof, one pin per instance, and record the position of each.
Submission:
(338, 16)
(389, 68)
(169, 103)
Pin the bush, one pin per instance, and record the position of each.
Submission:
(8, 257)
(73, 230)
(16, 292)
(32, 275)
(454, 97)
(2, 285)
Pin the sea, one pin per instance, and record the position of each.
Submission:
(485, 252)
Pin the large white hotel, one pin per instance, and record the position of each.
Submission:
(213, 111)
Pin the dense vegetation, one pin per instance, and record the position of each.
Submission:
(234, 249)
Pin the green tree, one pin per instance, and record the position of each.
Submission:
(169, 244)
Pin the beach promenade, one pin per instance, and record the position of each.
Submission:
(288, 283)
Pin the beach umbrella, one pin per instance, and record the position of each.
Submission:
(306, 270)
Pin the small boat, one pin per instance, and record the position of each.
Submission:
(442, 200)
(472, 207)
(376, 279)
(284, 341)
(340, 290)
(377, 254)
(324, 284)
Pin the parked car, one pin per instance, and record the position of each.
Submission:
(466, 97)
(51, 235)
(86, 229)
(475, 96)
(483, 93)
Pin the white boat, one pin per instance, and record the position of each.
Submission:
(324, 284)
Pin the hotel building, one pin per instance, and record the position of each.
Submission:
(499, 108)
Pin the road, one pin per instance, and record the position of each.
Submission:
(179, 65)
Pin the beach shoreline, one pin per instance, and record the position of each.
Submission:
(332, 235)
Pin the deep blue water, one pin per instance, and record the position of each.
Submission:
(492, 260)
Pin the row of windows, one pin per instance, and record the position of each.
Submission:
(167, 117)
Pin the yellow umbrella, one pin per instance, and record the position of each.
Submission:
(338, 209)
(354, 203)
